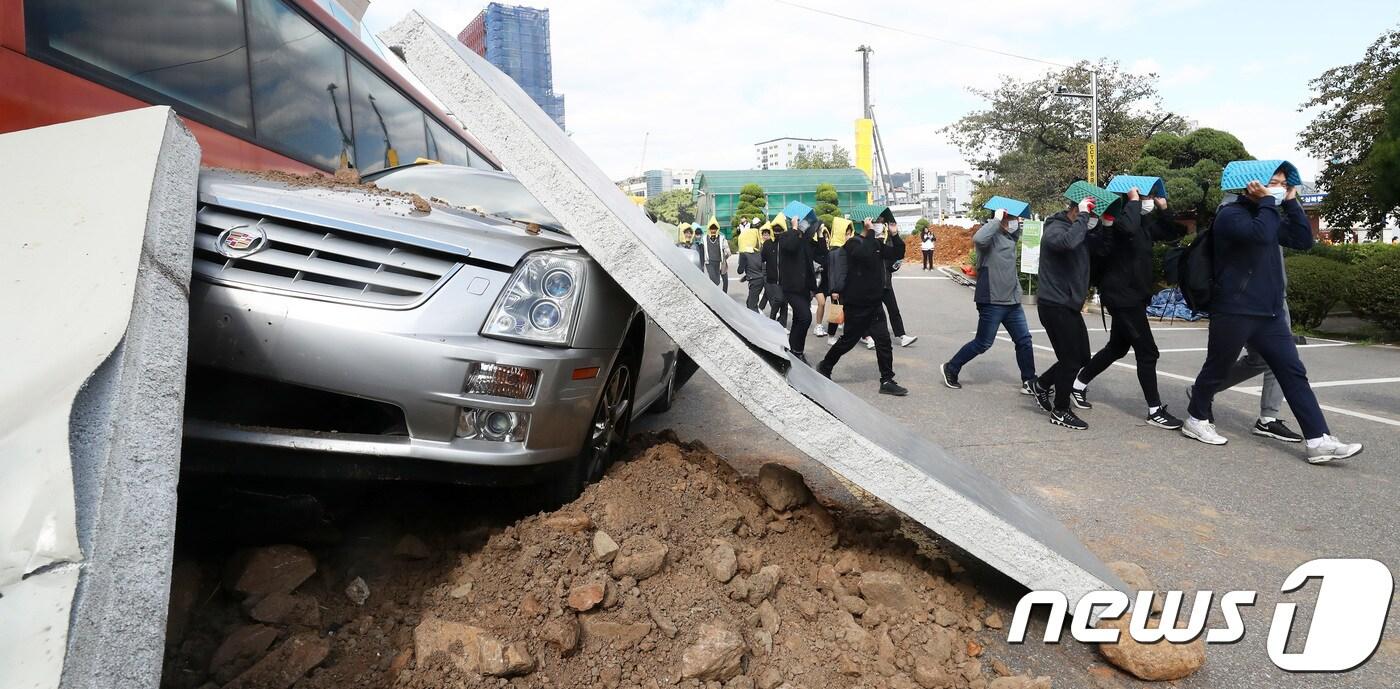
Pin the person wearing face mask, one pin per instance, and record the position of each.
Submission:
(998, 294)
(714, 253)
(1125, 289)
(798, 251)
(1064, 285)
(772, 290)
(748, 247)
(1247, 305)
(859, 288)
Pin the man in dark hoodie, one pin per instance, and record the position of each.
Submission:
(772, 290)
(1247, 308)
(998, 298)
(1125, 289)
(859, 287)
(798, 250)
(1064, 284)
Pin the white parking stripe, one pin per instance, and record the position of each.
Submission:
(1202, 349)
(1251, 390)
(1343, 383)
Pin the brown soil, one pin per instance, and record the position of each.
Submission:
(852, 602)
(950, 248)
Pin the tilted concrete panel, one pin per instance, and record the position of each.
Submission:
(742, 351)
(95, 258)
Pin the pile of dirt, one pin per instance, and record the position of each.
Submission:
(950, 247)
(672, 571)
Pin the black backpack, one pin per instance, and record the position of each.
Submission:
(1192, 268)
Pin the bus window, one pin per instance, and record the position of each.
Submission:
(388, 128)
(443, 147)
(190, 52)
(300, 101)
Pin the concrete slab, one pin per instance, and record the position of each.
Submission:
(742, 351)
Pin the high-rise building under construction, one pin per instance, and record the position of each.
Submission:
(516, 40)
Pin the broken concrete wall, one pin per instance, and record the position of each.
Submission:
(96, 258)
(867, 448)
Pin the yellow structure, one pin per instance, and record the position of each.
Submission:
(865, 149)
(1093, 157)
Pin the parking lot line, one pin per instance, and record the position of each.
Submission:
(922, 277)
(1344, 383)
(1303, 346)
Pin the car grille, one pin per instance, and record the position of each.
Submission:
(319, 263)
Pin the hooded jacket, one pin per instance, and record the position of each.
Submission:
(797, 253)
(1064, 261)
(997, 282)
(867, 268)
(1128, 277)
(1248, 264)
(748, 240)
(722, 245)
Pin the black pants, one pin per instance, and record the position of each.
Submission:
(774, 294)
(800, 302)
(1130, 329)
(892, 306)
(755, 294)
(928, 259)
(1070, 340)
(862, 320)
(1271, 338)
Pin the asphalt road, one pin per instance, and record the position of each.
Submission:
(1236, 517)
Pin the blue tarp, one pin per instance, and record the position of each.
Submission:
(1012, 206)
(1239, 173)
(1146, 185)
(1170, 304)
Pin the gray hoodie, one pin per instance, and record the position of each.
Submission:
(997, 282)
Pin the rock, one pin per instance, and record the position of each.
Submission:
(846, 666)
(768, 619)
(994, 621)
(530, 606)
(945, 617)
(888, 589)
(770, 679)
(821, 518)
(721, 561)
(516, 661)
(750, 561)
(854, 604)
(618, 635)
(1155, 662)
(411, 547)
(287, 608)
(717, 654)
(400, 662)
(562, 633)
(639, 557)
(271, 569)
(286, 664)
(849, 563)
(1000, 668)
(763, 584)
(807, 608)
(604, 547)
(470, 649)
(929, 674)
(740, 682)
(587, 596)
(571, 522)
(358, 591)
(610, 677)
(1137, 579)
(1026, 682)
(941, 644)
(243, 647)
(727, 520)
(663, 622)
(781, 487)
(974, 649)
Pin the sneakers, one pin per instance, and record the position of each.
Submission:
(1162, 419)
(1203, 431)
(869, 342)
(1042, 396)
(823, 369)
(906, 340)
(890, 387)
(1067, 419)
(819, 331)
(1026, 387)
(950, 379)
(1331, 448)
(1277, 430)
(1080, 398)
(831, 338)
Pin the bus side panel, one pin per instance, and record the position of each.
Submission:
(33, 94)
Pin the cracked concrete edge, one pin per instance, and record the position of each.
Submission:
(133, 406)
(574, 190)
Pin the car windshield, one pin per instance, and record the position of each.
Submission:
(493, 193)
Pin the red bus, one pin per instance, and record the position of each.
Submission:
(294, 85)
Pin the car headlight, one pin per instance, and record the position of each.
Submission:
(541, 301)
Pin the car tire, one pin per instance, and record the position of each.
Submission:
(607, 432)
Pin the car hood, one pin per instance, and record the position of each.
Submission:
(368, 210)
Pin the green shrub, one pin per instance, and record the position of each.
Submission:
(1315, 285)
(1373, 292)
(1350, 254)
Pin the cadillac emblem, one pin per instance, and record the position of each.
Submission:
(241, 241)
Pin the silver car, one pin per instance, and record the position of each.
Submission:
(355, 328)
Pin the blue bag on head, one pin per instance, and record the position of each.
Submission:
(1239, 173)
(802, 212)
(1020, 209)
(1146, 185)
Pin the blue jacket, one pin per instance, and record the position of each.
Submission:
(1248, 264)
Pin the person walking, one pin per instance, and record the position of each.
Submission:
(714, 253)
(823, 293)
(1064, 285)
(998, 298)
(748, 247)
(888, 297)
(1247, 308)
(772, 290)
(842, 232)
(859, 290)
(1125, 289)
(798, 251)
(926, 244)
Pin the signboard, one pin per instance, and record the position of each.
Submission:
(1030, 246)
(1093, 165)
(1311, 199)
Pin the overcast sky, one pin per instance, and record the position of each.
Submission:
(709, 78)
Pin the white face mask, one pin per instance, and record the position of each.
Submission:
(1093, 222)
(1013, 225)
(1108, 223)
(1147, 206)
(1278, 193)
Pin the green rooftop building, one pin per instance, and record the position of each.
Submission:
(717, 191)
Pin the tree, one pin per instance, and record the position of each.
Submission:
(1033, 147)
(827, 203)
(753, 202)
(1190, 167)
(675, 206)
(920, 225)
(1354, 114)
(1384, 158)
(821, 160)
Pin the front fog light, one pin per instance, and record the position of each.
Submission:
(493, 425)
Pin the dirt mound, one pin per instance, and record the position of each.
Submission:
(950, 248)
(672, 571)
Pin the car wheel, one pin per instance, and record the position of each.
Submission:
(607, 433)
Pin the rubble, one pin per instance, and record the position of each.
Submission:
(272, 569)
(1155, 662)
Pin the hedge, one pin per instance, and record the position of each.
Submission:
(1315, 285)
(1373, 292)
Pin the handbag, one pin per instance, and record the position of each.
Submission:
(835, 314)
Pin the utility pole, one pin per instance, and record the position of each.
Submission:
(1093, 97)
(865, 51)
(879, 170)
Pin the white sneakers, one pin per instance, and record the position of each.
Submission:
(1203, 431)
(906, 340)
(869, 342)
(819, 331)
(1331, 448)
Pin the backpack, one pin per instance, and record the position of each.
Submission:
(1192, 268)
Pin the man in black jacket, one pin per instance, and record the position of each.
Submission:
(860, 288)
(1064, 284)
(1125, 289)
(798, 249)
(772, 291)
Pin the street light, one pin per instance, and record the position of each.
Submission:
(1093, 97)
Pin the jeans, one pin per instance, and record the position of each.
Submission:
(1070, 339)
(862, 320)
(928, 259)
(1272, 339)
(801, 305)
(1130, 329)
(989, 318)
(892, 306)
